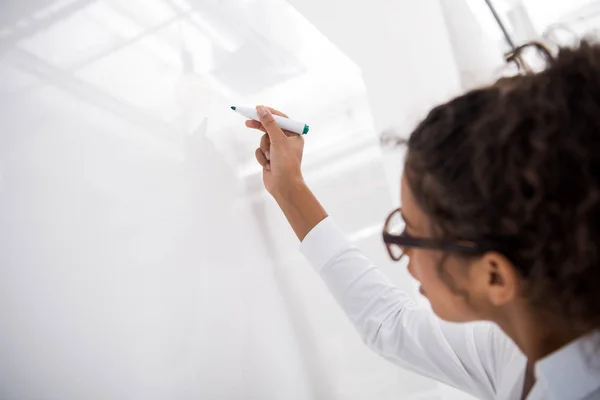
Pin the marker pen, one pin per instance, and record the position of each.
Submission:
(284, 123)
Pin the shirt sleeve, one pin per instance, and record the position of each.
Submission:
(389, 322)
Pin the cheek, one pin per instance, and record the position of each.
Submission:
(445, 303)
(431, 282)
(423, 268)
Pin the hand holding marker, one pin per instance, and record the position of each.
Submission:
(279, 152)
(284, 123)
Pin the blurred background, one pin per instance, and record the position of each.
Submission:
(140, 257)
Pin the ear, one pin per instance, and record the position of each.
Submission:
(502, 278)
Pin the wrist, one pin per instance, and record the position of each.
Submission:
(300, 206)
(289, 191)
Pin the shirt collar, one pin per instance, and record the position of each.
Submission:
(572, 372)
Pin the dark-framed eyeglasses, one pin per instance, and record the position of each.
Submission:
(397, 240)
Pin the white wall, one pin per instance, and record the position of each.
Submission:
(124, 275)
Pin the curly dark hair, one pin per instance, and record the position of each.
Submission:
(518, 166)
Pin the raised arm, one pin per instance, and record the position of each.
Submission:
(463, 356)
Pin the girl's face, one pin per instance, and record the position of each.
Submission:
(460, 290)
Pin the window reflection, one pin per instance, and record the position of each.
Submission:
(554, 22)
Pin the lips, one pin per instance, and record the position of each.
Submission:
(422, 291)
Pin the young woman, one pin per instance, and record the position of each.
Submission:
(500, 222)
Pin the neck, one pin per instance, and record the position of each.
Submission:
(537, 333)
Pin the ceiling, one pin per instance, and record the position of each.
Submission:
(164, 65)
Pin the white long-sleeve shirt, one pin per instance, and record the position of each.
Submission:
(477, 358)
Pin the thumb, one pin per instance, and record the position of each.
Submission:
(275, 133)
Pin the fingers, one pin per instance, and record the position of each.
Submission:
(277, 112)
(257, 125)
(275, 133)
(265, 146)
(262, 160)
